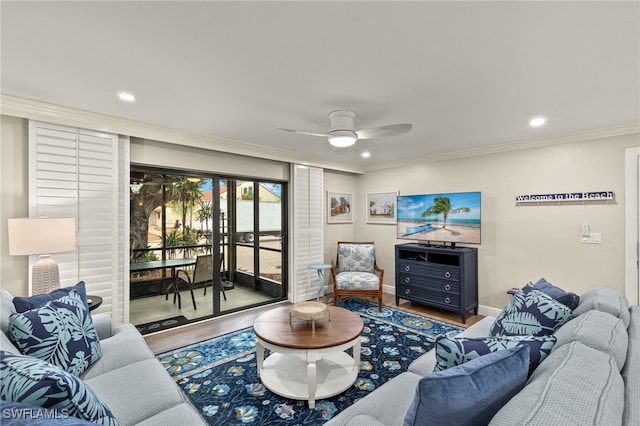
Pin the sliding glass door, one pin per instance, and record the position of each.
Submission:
(203, 246)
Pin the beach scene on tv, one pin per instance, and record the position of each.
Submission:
(450, 217)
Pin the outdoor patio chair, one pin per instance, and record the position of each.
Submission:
(202, 273)
(356, 272)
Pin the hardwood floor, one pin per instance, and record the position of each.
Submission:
(178, 337)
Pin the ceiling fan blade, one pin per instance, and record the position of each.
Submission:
(303, 133)
(384, 131)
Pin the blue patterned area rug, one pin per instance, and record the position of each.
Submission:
(219, 375)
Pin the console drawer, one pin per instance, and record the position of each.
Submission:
(419, 293)
(430, 270)
(429, 283)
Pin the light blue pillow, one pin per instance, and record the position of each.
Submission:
(530, 312)
(36, 382)
(452, 351)
(470, 393)
(23, 304)
(61, 332)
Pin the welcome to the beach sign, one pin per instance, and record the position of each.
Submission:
(565, 197)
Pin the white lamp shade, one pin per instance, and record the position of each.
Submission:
(41, 235)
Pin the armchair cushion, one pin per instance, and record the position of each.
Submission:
(356, 257)
(357, 281)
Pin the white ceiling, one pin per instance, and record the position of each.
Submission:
(465, 74)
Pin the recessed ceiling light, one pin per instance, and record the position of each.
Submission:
(537, 122)
(366, 154)
(127, 97)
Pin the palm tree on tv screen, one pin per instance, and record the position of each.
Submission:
(442, 205)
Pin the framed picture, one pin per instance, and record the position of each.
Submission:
(381, 207)
(339, 207)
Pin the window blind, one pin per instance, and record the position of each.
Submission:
(80, 173)
(308, 242)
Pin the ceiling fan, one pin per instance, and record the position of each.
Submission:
(343, 133)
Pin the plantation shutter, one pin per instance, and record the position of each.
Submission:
(81, 173)
(308, 242)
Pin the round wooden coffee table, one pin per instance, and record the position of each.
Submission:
(304, 363)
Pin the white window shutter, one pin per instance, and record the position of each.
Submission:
(308, 242)
(121, 285)
(80, 173)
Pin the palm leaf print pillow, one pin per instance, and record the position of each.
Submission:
(530, 312)
(60, 332)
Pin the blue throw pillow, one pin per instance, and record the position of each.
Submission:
(571, 300)
(470, 393)
(61, 332)
(23, 304)
(530, 312)
(452, 351)
(36, 382)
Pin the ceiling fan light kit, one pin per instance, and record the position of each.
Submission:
(343, 133)
(342, 138)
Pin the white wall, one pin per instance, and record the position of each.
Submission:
(522, 243)
(334, 232)
(14, 202)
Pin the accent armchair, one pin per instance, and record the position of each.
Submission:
(356, 272)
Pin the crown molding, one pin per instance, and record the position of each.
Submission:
(37, 110)
(621, 130)
(42, 111)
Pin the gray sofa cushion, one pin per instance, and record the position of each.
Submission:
(183, 414)
(388, 406)
(137, 392)
(598, 330)
(114, 354)
(631, 371)
(576, 384)
(6, 309)
(606, 300)
(102, 324)
(7, 345)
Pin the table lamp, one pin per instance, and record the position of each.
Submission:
(42, 236)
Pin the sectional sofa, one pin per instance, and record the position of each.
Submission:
(126, 378)
(591, 375)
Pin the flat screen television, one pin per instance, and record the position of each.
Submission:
(440, 218)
